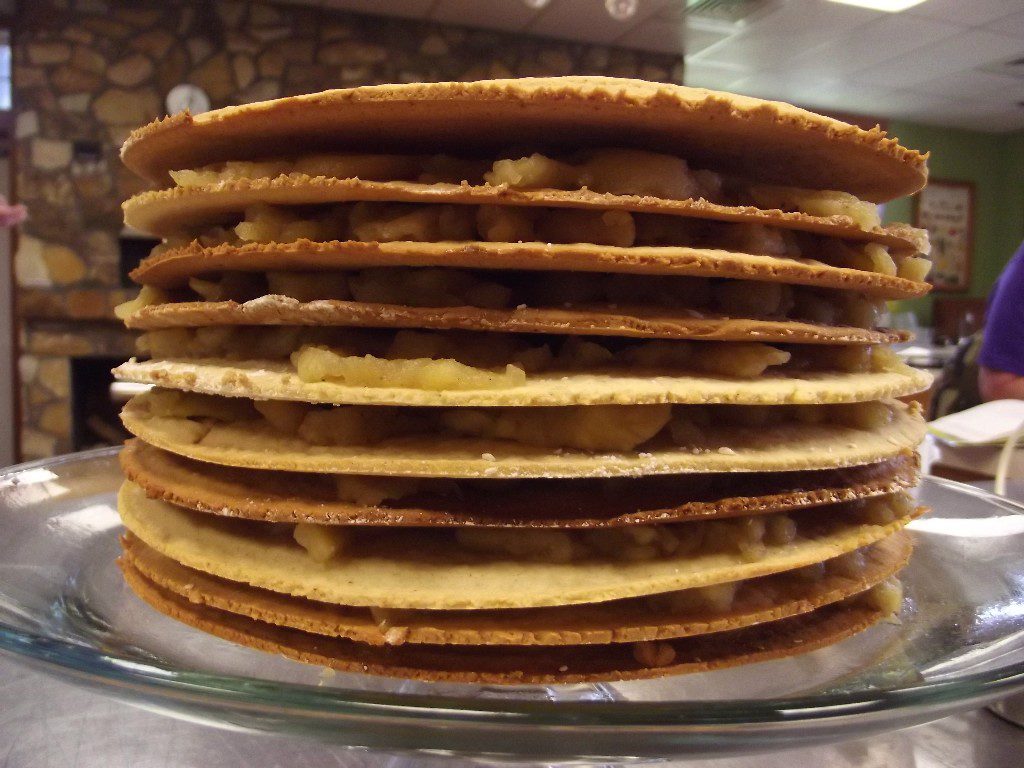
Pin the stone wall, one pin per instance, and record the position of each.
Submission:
(88, 71)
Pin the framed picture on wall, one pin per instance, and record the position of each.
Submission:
(946, 210)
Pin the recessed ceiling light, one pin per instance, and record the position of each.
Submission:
(890, 6)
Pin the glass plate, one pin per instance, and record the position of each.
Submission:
(959, 643)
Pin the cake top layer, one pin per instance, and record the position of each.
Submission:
(761, 140)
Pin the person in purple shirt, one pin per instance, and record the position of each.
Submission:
(1001, 375)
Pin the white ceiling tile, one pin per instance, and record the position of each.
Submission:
(970, 12)
(784, 86)
(1009, 25)
(797, 26)
(851, 97)
(920, 65)
(908, 104)
(967, 50)
(588, 20)
(409, 9)
(871, 43)
(802, 17)
(974, 84)
(669, 37)
(511, 15)
(868, 100)
(703, 75)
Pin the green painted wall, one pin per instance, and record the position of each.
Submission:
(995, 163)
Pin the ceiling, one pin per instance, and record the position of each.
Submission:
(943, 62)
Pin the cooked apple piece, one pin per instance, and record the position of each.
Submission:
(445, 169)
(547, 546)
(148, 296)
(658, 354)
(744, 360)
(850, 357)
(372, 490)
(637, 172)
(583, 353)
(849, 564)
(861, 311)
(282, 415)
(533, 172)
(193, 405)
(382, 223)
(212, 340)
(167, 342)
(780, 529)
(309, 286)
(315, 364)
(817, 202)
(887, 596)
(182, 430)
(357, 425)
(755, 238)
(589, 428)
(884, 358)
(208, 290)
(322, 542)
(505, 224)
(568, 225)
(746, 298)
(229, 171)
(428, 288)
(654, 653)
(872, 257)
(369, 167)
(815, 308)
(632, 543)
(338, 426)
(868, 416)
(914, 268)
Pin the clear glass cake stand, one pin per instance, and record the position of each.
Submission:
(959, 643)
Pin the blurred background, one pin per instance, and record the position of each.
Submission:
(77, 75)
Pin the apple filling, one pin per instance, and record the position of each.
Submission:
(749, 537)
(886, 597)
(417, 222)
(375, 490)
(388, 358)
(515, 290)
(454, 360)
(193, 416)
(610, 170)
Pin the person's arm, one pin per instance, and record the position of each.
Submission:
(1000, 385)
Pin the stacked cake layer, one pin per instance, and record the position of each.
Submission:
(520, 381)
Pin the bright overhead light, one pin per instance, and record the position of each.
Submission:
(890, 6)
(621, 10)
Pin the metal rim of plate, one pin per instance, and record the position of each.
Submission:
(496, 728)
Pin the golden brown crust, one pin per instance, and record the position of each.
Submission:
(617, 621)
(169, 211)
(294, 497)
(173, 267)
(427, 568)
(512, 665)
(763, 140)
(634, 322)
(278, 380)
(786, 447)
